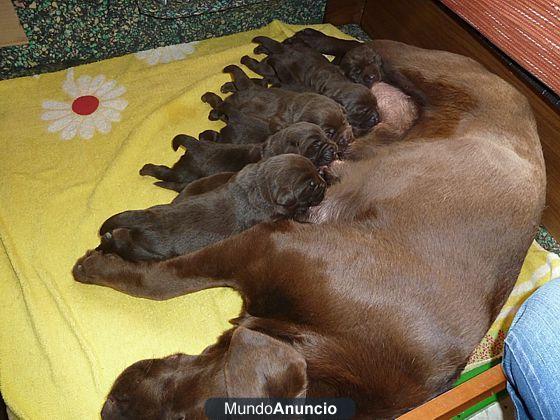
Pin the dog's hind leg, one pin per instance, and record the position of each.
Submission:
(240, 79)
(212, 99)
(162, 172)
(182, 140)
(229, 87)
(122, 241)
(210, 135)
(267, 45)
(216, 103)
(260, 67)
(323, 43)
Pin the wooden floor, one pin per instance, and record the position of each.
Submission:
(427, 24)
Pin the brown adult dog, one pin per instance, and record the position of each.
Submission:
(384, 298)
(301, 68)
(254, 112)
(203, 158)
(280, 187)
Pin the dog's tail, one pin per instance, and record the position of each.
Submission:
(240, 79)
(267, 45)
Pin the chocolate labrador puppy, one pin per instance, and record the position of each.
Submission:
(301, 68)
(254, 112)
(359, 61)
(400, 102)
(383, 297)
(282, 186)
(203, 158)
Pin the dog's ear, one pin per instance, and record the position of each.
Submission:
(261, 366)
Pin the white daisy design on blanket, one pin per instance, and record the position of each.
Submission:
(95, 103)
(166, 54)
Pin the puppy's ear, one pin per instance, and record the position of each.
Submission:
(261, 366)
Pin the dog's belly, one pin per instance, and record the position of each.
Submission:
(335, 204)
(397, 110)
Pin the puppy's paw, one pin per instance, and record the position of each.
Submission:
(94, 266)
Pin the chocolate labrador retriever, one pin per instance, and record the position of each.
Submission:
(282, 186)
(384, 297)
(300, 68)
(203, 158)
(254, 112)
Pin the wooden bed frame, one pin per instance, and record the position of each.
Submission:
(411, 21)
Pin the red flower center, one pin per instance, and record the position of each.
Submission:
(85, 105)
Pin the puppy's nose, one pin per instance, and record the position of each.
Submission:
(369, 79)
(318, 192)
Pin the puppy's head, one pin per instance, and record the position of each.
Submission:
(361, 107)
(363, 65)
(244, 363)
(304, 139)
(330, 116)
(291, 183)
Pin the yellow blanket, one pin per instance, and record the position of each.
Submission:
(72, 143)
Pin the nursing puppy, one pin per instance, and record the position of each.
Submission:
(203, 157)
(281, 187)
(359, 61)
(301, 68)
(254, 112)
(384, 297)
(400, 102)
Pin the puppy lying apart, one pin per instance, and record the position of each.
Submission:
(281, 187)
(203, 158)
(254, 112)
(301, 68)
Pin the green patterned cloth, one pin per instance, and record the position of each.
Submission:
(67, 33)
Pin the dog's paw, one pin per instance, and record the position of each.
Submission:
(228, 87)
(94, 266)
(148, 169)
